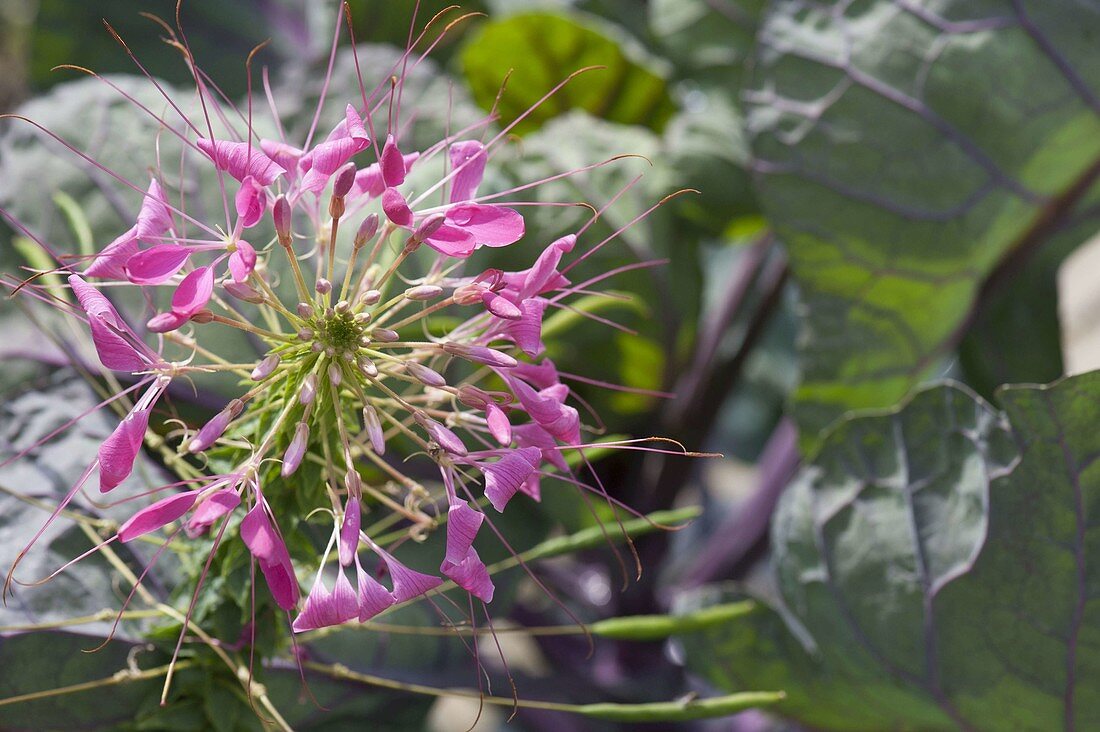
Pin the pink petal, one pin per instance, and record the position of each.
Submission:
(407, 583)
(156, 265)
(499, 426)
(119, 451)
(240, 160)
(463, 523)
(285, 156)
(348, 545)
(446, 439)
(452, 241)
(396, 208)
(114, 351)
(165, 322)
(369, 181)
(560, 420)
(468, 158)
(373, 597)
(270, 552)
(530, 487)
(210, 510)
(251, 202)
(242, 262)
(532, 435)
(491, 226)
(193, 292)
(323, 608)
(501, 306)
(154, 218)
(527, 330)
(393, 164)
(504, 477)
(471, 575)
(541, 375)
(110, 263)
(346, 139)
(296, 450)
(153, 517)
(544, 276)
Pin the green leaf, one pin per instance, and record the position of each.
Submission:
(541, 49)
(707, 40)
(902, 151)
(935, 570)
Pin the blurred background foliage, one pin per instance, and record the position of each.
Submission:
(882, 194)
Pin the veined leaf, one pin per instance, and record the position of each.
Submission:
(936, 569)
(903, 150)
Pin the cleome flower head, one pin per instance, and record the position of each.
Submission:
(343, 265)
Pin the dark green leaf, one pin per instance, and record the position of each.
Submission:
(935, 570)
(903, 150)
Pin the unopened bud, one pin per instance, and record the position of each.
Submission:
(243, 292)
(370, 297)
(480, 354)
(446, 439)
(296, 450)
(423, 292)
(308, 391)
(343, 180)
(471, 396)
(323, 286)
(367, 230)
(373, 426)
(368, 367)
(425, 375)
(335, 375)
(305, 310)
(214, 429)
(342, 307)
(469, 294)
(353, 482)
(428, 227)
(265, 368)
(385, 335)
(280, 212)
(497, 422)
(305, 334)
(203, 316)
(363, 318)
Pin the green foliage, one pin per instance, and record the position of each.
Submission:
(537, 51)
(934, 567)
(902, 152)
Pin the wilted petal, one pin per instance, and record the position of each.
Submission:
(452, 241)
(349, 532)
(240, 160)
(491, 226)
(115, 352)
(216, 505)
(110, 263)
(251, 202)
(323, 608)
(153, 517)
(270, 552)
(193, 292)
(471, 575)
(396, 207)
(119, 451)
(463, 523)
(373, 597)
(242, 261)
(156, 265)
(468, 158)
(504, 477)
(499, 426)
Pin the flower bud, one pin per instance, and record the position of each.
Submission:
(425, 375)
(214, 429)
(428, 227)
(305, 334)
(370, 297)
(244, 292)
(471, 396)
(308, 392)
(282, 216)
(296, 450)
(469, 294)
(265, 368)
(323, 286)
(203, 316)
(368, 367)
(367, 230)
(335, 375)
(373, 426)
(342, 307)
(423, 292)
(343, 180)
(480, 354)
(385, 335)
(305, 310)
(446, 439)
